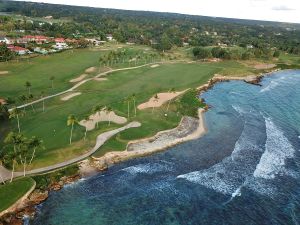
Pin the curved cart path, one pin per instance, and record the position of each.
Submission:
(81, 83)
(101, 139)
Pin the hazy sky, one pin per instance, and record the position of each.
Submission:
(275, 10)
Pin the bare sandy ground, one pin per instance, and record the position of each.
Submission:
(100, 79)
(3, 72)
(264, 66)
(2, 101)
(80, 78)
(102, 116)
(162, 98)
(188, 129)
(69, 96)
(154, 66)
(91, 70)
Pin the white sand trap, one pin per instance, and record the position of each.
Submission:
(69, 96)
(3, 72)
(264, 66)
(102, 116)
(154, 66)
(162, 98)
(90, 70)
(100, 79)
(80, 78)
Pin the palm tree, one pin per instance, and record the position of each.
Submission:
(28, 86)
(155, 99)
(4, 114)
(16, 113)
(87, 118)
(16, 140)
(13, 158)
(23, 99)
(30, 98)
(2, 159)
(127, 100)
(172, 90)
(97, 109)
(34, 143)
(42, 96)
(134, 101)
(108, 111)
(52, 78)
(70, 122)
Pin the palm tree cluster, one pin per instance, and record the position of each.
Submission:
(19, 149)
(128, 100)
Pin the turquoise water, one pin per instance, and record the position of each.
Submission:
(245, 170)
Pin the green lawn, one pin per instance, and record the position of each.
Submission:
(11, 192)
(144, 82)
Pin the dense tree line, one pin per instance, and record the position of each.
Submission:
(234, 53)
(161, 30)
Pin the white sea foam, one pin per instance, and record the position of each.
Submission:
(273, 84)
(148, 168)
(239, 109)
(277, 150)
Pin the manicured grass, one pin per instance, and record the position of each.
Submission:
(11, 192)
(144, 82)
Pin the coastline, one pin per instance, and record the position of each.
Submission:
(189, 128)
(89, 168)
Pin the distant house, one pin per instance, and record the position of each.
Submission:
(60, 44)
(5, 40)
(19, 50)
(40, 39)
(40, 50)
(28, 38)
(59, 40)
(250, 46)
(109, 37)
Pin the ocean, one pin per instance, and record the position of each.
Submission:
(244, 170)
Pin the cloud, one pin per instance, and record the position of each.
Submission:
(282, 8)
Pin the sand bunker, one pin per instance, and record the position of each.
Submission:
(3, 72)
(162, 98)
(69, 96)
(80, 78)
(90, 70)
(100, 79)
(154, 66)
(102, 116)
(264, 66)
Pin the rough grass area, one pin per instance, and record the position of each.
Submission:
(43, 181)
(12, 192)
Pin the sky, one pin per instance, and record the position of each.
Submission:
(272, 10)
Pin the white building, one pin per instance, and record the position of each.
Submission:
(5, 40)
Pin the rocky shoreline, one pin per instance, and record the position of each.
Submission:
(188, 129)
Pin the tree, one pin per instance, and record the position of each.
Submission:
(134, 105)
(15, 113)
(23, 99)
(87, 118)
(276, 54)
(201, 53)
(34, 143)
(28, 86)
(42, 96)
(127, 100)
(96, 110)
(16, 140)
(172, 90)
(4, 114)
(5, 53)
(52, 78)
(155, 100)
(108, 111)
(30, 98)
(2, 159)
(70, 122)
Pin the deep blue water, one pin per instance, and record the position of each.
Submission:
(245, 170)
